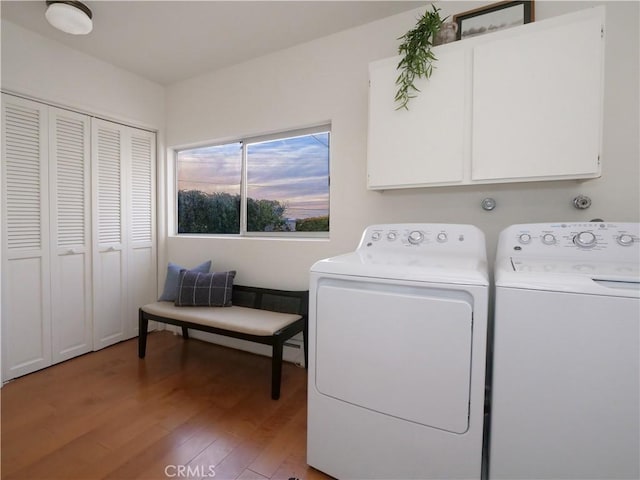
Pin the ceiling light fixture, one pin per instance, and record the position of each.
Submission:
(69, 16)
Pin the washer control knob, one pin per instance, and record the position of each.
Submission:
(585, 239)
(391, 236)
(625, 240)
(375, 236)
(524, 238)
(442, 237)
(548, 239)
(416, 237)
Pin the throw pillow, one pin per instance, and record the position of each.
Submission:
(173, 275)
(205, 289)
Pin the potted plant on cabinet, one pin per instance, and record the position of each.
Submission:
(417, 56)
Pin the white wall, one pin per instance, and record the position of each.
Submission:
(327, 80)
(50, 71)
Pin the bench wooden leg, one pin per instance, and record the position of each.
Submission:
(143, 323)
(185, 333)
(276, 369)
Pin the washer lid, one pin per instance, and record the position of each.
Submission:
(443, 268)
(614, 271)
(620, 279)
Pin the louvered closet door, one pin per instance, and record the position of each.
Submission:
(26, 320)
(69, 154)
(142, 243)
(109, 234)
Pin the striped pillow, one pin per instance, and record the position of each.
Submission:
(205, 289)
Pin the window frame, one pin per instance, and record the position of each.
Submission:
(244, 187)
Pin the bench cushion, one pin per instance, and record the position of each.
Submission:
(238, 319)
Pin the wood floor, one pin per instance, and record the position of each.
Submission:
(188, 410)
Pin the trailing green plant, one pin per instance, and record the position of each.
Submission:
(418, 58)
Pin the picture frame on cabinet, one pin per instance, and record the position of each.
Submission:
(494, 17)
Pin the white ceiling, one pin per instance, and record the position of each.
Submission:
(169, 41)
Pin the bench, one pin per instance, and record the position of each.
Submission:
(261, 315)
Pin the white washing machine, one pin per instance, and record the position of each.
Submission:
(565, 391)
(397, 355)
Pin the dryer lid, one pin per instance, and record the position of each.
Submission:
(425, 252)
(459, 270)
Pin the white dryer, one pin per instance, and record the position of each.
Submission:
(565, 390)
(397, 349)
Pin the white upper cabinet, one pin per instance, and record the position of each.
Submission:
(537, 104)
(424, 144)
(522, 104)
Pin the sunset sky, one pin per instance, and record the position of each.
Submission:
(292, 170)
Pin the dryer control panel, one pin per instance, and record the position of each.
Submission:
(593, 240)
(423, 238)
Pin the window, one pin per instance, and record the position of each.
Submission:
(275, 185)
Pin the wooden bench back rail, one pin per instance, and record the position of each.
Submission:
(280, 301)
(283, 301)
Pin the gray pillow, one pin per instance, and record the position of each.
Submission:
(205, 289)
(173, 274)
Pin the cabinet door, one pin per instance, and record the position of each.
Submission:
(141, 241)
(109, 259)
(425, 144)
(537, 101)
(26, 318)
(70, 182)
